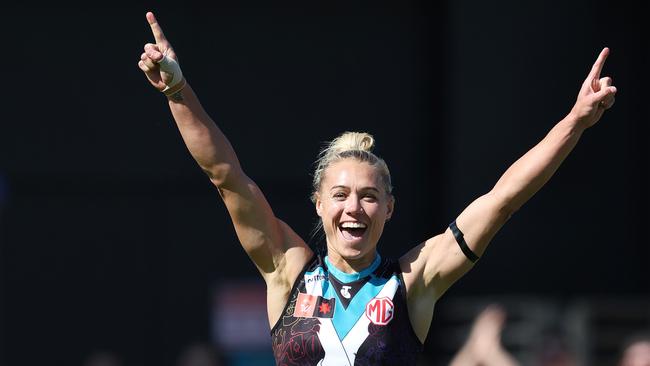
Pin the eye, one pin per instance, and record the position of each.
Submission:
(339, 195)
(370, 197)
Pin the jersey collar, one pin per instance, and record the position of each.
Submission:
(355, 276)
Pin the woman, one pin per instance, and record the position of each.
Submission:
(354, 307)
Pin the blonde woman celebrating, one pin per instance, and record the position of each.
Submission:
(351, 306)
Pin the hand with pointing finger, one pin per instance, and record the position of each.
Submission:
(596, 95)
(159, 62)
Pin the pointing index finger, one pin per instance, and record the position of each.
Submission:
(158, 34)
(598, 65)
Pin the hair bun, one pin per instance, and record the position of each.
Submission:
(352, 141)
(349, 145)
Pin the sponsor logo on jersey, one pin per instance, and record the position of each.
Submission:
(380, 311)
(315, 277)
(310, 306)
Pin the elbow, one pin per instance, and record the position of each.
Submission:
(506, 204)
(509, 209)
(223, 174)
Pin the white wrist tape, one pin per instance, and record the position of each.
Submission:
(171, 67)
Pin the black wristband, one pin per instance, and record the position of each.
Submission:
(461, 242)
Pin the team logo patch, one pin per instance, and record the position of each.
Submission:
(345, 291)
(310, 306)
(380, 311)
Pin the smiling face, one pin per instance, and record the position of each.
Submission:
(354, 206)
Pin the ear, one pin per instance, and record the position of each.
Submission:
(319, 205)
(391, 207)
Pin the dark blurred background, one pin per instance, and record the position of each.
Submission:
(113, 239)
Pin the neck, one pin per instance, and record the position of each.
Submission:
(351, 266)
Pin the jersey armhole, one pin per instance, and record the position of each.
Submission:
(402, 290)
(300, 277)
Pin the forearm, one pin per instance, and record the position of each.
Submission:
(528, 174)
(205, 141)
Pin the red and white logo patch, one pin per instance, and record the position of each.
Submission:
(380, 311)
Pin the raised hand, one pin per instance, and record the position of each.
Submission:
(596, 94)
(483, 347)
(159, 61)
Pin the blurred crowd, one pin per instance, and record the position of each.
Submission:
(483, 347)
(197, 354)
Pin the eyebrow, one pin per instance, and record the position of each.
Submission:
(362, 189)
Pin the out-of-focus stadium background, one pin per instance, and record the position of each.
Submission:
(112, 239)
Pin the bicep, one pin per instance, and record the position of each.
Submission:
(441, 261)
(266, 239)
(480, 221)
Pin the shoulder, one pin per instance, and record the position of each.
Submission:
(419, 262)
(281, 289)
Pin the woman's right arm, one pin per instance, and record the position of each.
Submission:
(276, 250)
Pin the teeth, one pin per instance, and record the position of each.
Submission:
(353, 225)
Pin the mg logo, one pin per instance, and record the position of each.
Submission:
(380, 311)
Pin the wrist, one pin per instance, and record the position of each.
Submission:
(575, 123)
(173, 91)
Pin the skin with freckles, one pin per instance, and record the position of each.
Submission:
(352, 192)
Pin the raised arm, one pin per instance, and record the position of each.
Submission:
(439, 262)
(274, 248)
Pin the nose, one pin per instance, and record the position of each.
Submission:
(353, 205)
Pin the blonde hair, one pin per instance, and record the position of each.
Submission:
(350, 145)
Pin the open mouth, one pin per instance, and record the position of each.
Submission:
(352, 230)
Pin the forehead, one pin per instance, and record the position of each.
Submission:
(351, 172)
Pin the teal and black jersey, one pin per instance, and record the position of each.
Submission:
(336, 318)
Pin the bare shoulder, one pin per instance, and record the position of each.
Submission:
(296, 255)
(416, 263)
(421, 294)
(288, 268)
(434, 265)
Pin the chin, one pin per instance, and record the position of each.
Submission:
(353, 250)
(351, 254)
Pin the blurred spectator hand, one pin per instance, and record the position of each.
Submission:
(637, 353)
(483, 346)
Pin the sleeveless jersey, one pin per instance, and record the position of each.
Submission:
(340, 319)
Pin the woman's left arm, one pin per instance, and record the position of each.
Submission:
(436, 264)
